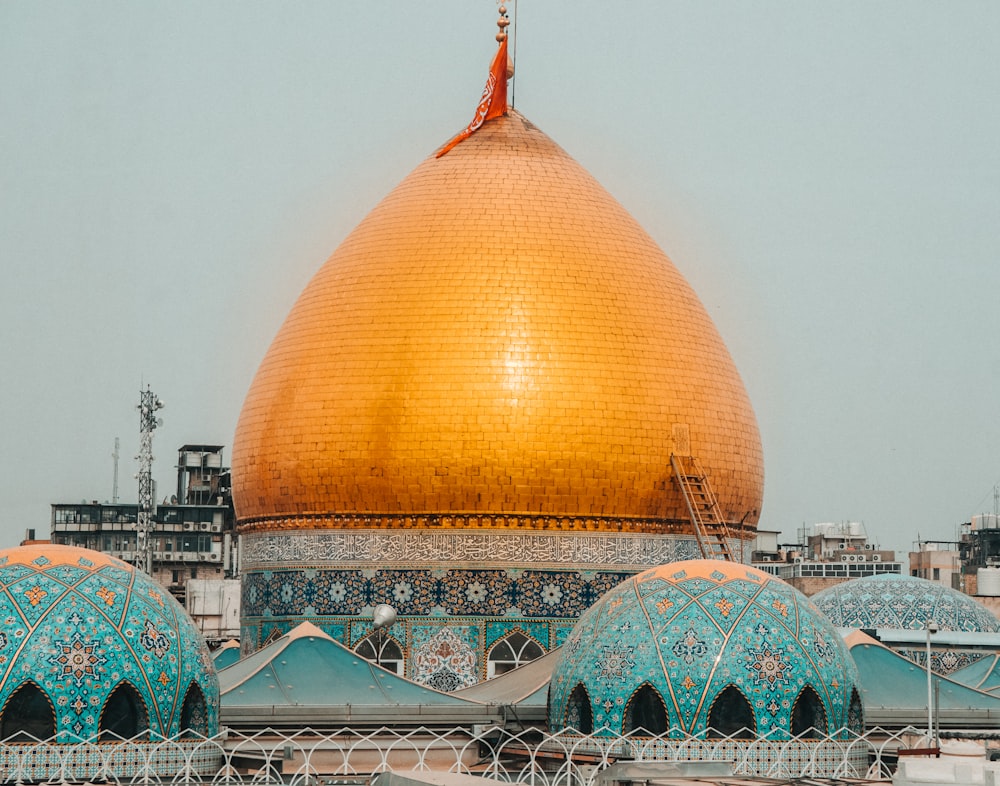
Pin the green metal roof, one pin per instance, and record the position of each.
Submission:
(895, 691)
(306, 677)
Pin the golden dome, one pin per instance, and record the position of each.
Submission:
(498, 343)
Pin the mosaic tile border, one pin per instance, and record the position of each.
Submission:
(761, 757)
(470, 521)
(495, 548)
(98, 761)
(442, 592)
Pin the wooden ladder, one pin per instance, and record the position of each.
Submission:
(710, 528)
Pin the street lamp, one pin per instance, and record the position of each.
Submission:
(382, 618)
(932, 627)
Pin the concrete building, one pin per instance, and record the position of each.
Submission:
(938, 561)
(193, 530)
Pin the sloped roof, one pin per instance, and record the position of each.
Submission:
(226, 655)
(305, 677)
(525, 688)
(894, 690)
(982, 675)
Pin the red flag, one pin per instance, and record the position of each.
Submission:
(494, 100)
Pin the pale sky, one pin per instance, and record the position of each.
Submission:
(827, 177)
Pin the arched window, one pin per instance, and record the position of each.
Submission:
(27, 714)
(579, 714)
(124, 714)
(808, 715)
(382, 650)
(645, 712)
(856, 714)
(194, 716)
(512, 651)
(732, 716)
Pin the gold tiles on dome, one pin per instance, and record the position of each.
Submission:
(497, 341)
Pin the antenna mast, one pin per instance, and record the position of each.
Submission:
(114, 489)
(149, 402)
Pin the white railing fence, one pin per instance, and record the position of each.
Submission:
(309, 757)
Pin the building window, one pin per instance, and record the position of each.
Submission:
(510, 652)
(124, 715)
(937, 574)
(27, 715)
(645, 713)
(732, 716)
(382, 650)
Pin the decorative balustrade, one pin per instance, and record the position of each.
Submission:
(352, 756)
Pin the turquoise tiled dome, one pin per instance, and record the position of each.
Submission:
(902, 602)
(705, 644)
(91, 647)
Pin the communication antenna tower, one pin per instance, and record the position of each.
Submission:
(114, 489)
(149, 403)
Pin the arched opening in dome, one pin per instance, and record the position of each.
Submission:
(512, 651)
(28, 714)
(732, 716)
(856, 713)
(579, 713)
(808, 715)
(124, 714)
(645, 712)
(382, 650)
(194, 713)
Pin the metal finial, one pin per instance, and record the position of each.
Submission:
(502, 23)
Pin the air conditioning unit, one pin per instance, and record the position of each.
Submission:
(216, 528)
(869, 547)
(861, 557)
(214, 557)
(847, 558)
(189, 526)
(205, 526)
(158, 555)
(843, 545)
(876, 557)
(799, 560)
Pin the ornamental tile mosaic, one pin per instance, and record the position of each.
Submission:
(79, 626)
(902, 602)
(711, 640)
(626, 551)
(538, 582)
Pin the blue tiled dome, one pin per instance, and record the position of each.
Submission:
(91, 647)
(902, 602)
(705, 643)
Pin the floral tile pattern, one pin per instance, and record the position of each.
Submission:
(77, 624)
(543, 604)
(692, 630)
